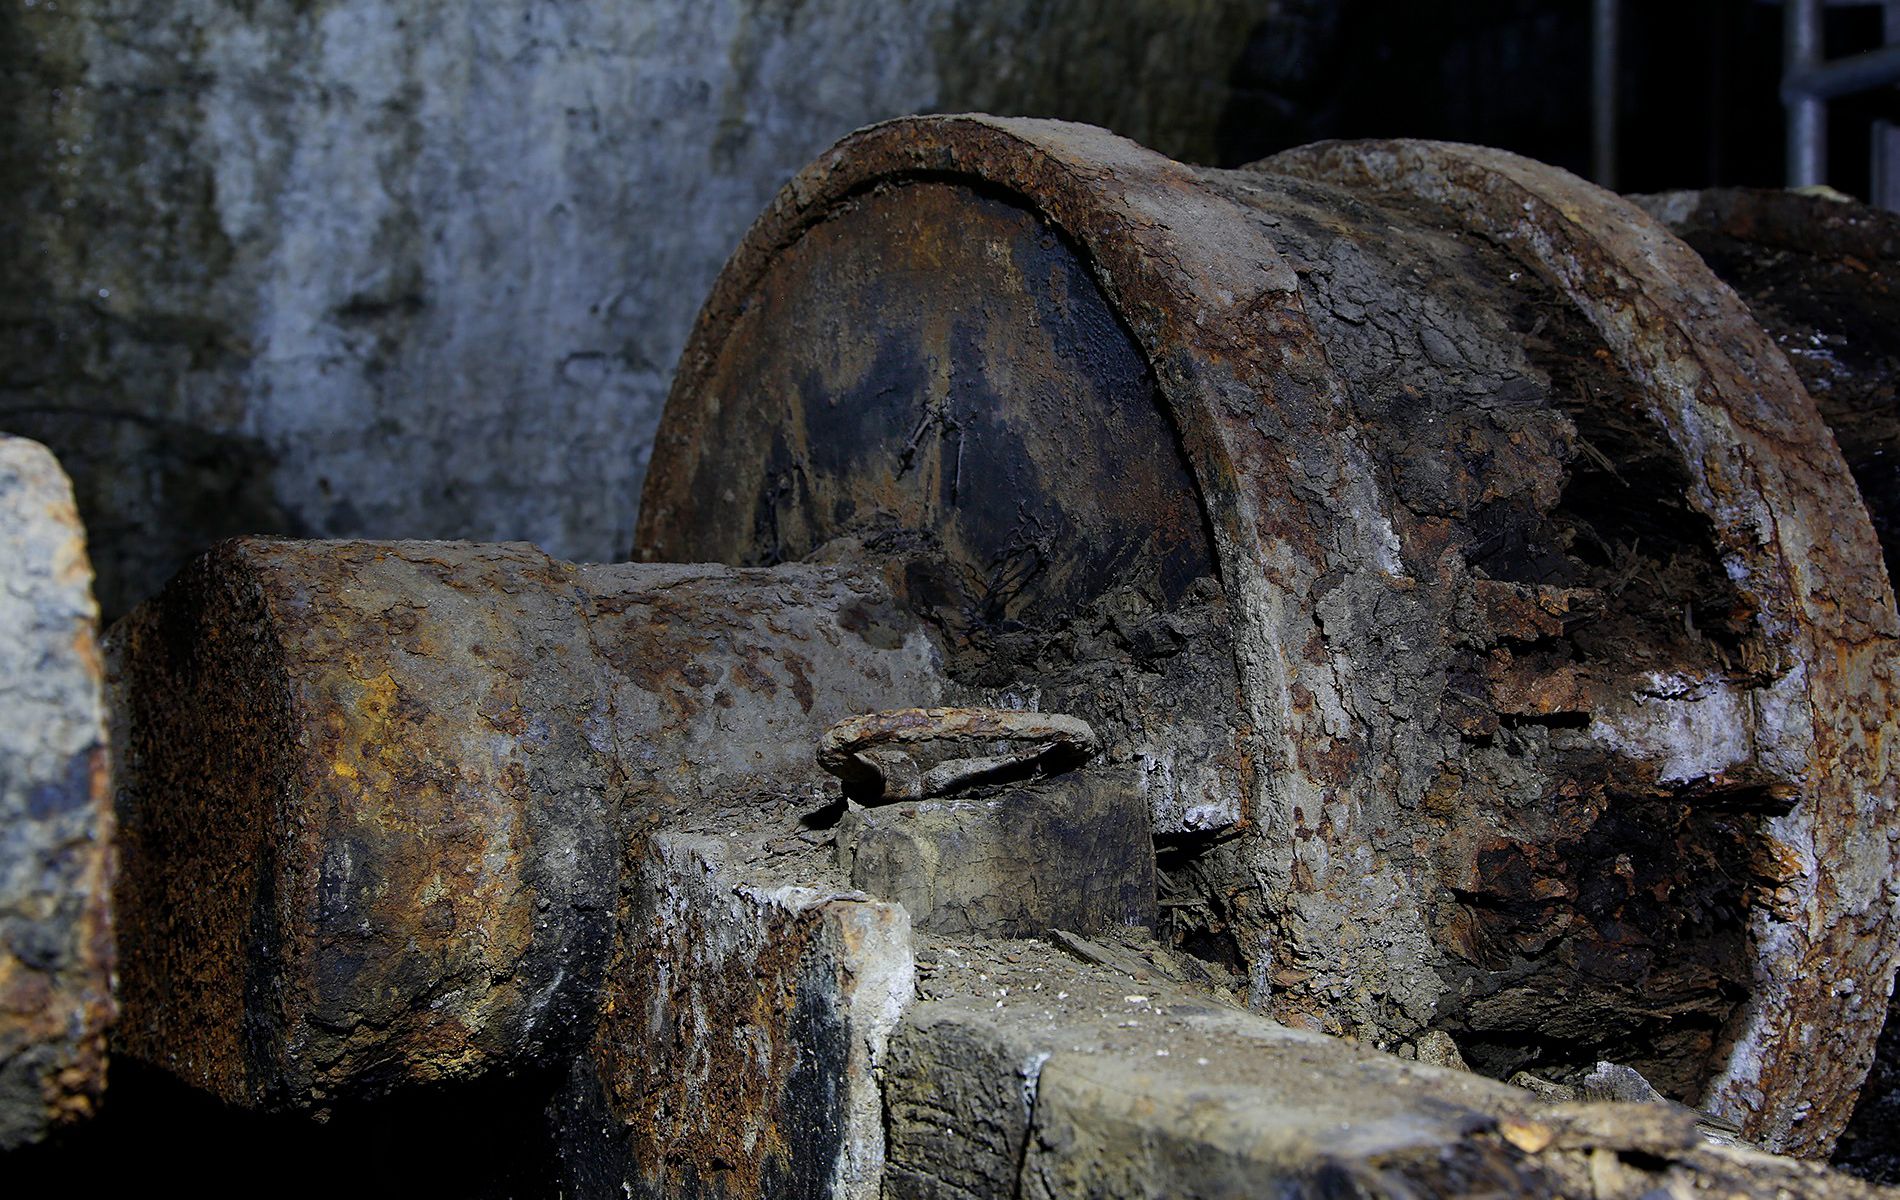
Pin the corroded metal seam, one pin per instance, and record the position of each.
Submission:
(1795, 540)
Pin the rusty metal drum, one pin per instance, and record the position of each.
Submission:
(1470, 580)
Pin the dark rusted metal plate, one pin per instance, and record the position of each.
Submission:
(1502, 753)
(966, 404)
(964, 376)
(56, 831)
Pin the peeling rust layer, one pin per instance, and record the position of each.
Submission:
(1768, 475)
(1561, 644)
(1823, 277)
(1820, 275)
(56, 830)
(376, 795)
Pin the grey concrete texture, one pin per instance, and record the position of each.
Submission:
(55, 810)
(1020, 1072)
(361, 268)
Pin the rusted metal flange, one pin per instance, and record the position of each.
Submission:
(1560, 640)
(1822, 275)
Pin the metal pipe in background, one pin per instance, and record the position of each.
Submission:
(1801, 27)
(1605, 19)
(1845, 76)
(1885, 186)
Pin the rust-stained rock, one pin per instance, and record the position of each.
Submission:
(923, 753)
(1546, 604)
(56, 856)
(1069, 852)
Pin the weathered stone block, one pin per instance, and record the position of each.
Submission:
(1025, 1074)
(55, 808)
(1068, 852)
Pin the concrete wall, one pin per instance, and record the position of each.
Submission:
(398, 268)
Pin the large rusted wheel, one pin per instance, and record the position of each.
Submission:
(1467, 577)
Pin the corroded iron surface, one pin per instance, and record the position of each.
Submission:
(1561, 645)
(966, 404)
(1767, 475)
(56, 849)
(365, 801)
(376, 795)
(743, 1027)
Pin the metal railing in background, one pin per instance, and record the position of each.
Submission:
(1604, 39)
(1810, 79)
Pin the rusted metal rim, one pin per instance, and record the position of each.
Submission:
(1796, 541)
(1196, 280)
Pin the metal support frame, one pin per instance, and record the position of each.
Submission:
(1801, 50)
